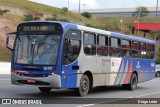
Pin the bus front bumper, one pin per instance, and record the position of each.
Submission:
(53, 81)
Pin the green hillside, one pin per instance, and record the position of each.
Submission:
(25, 4)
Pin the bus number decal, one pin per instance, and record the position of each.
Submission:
(47, 68)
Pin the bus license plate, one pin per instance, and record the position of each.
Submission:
(31, 81)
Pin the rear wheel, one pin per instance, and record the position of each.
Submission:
(133, 84)
(158, 74)
(84, 86)
(45, 89)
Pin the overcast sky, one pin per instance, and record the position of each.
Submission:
(96, 4)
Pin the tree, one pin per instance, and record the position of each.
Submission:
(154, 34)
(65, 9)
(87, 15)
(130, 27)
(3, 11)
(141, 11)
(30, 17)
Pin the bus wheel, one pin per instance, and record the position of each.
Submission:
(45, 89)
(133, 85)
(84, 86)
(158, 74)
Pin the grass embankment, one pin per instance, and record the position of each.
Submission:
(15, 18)
(5, 54)
(25, 4)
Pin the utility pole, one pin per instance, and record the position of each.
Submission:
(139, 16)
(79, 6)
(68, 4)
(68, 10)
(121, 20)
(84, 6)
(157, 9)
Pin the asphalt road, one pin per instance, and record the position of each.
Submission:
(11, 91)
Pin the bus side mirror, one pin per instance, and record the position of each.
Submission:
(10, 37)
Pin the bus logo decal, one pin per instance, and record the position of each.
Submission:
(138, 64)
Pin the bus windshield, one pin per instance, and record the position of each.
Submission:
(36, 49)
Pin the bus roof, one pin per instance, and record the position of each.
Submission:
(67, 25)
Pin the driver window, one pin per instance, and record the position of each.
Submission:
(71, 46)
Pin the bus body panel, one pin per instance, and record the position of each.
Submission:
(53, 81)
(145, 70)
(104, 68)
(69, 75)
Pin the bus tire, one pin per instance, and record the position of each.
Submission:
(158, 74)
(45, 89)
(83, 87)
(133, 84)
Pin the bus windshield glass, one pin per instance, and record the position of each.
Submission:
(36, 47)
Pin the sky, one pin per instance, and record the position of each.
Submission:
(98, 4)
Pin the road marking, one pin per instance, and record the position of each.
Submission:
(144, 95)
(87, 105)
(100, 103)
(4, 79)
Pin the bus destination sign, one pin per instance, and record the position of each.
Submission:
(36, 28)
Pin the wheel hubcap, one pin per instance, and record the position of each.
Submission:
(158, 74)
(134, 83)
(84, 85)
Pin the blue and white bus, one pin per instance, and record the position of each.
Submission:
(62, 55)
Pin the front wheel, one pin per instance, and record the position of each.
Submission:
(133, 83)
(45, 89)
(84, 86)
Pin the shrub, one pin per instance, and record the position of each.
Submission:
(87, 15)
(30, 18)
(3, 12)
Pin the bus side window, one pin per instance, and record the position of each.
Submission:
(71, 47)
(136, 49)
(126, 48)
(89, 41)
(150, 51)
(102, 45)
(115, 44)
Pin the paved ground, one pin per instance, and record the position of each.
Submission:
(145, 90)
(5, 67)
